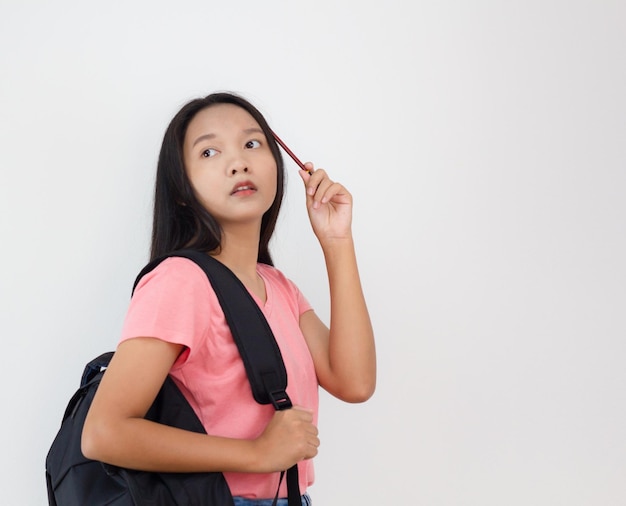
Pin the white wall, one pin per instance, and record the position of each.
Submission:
(485, 146)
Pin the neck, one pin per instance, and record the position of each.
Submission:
(239, 252)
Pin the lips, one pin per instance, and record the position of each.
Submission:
(243, 186)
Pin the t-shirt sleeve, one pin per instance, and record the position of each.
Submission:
(303, 304)
(166, 302)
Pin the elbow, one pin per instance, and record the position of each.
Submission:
(354, 387)
(89, 444)
(93, 441)
(358, 393)
(88, 450)
(362, 395)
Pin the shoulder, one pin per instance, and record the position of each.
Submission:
(175, 274)
(274, 275)
(174, 302)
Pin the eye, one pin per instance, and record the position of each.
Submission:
(253, 144)
(208, 153)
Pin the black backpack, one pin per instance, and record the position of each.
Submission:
(73, 480)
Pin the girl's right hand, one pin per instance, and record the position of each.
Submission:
(288, 438)
(329, 205)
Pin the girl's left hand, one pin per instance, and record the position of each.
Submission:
(329, 205)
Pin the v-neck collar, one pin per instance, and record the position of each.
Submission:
(267, 307)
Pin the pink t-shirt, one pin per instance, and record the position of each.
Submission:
(176, 303)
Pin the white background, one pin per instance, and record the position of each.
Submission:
(485, 145)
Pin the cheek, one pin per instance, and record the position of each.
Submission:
(273, 181)
(272, 171)
(202, 185)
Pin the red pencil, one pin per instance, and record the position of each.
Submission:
(290, 153)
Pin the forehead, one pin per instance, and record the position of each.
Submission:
(220, 119)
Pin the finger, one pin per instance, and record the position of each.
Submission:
(313, 446)
(321, 191)
(303, 413)
(311, 179)
(330, 191)
(307, 172)
(317, 187)
(317, 178)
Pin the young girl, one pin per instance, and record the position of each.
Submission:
(219, 189)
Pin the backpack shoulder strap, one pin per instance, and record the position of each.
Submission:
(252, 334)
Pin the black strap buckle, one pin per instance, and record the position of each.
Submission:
(280, 400)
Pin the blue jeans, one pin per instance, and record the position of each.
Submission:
(242, 501)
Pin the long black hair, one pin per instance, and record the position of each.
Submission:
(180, 220)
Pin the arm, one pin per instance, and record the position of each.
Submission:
(344, 355)
(116, 432)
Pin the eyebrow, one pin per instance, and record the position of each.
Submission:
(206, 137)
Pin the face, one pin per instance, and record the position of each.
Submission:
(229, 164)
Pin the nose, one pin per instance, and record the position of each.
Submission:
(236, 162)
